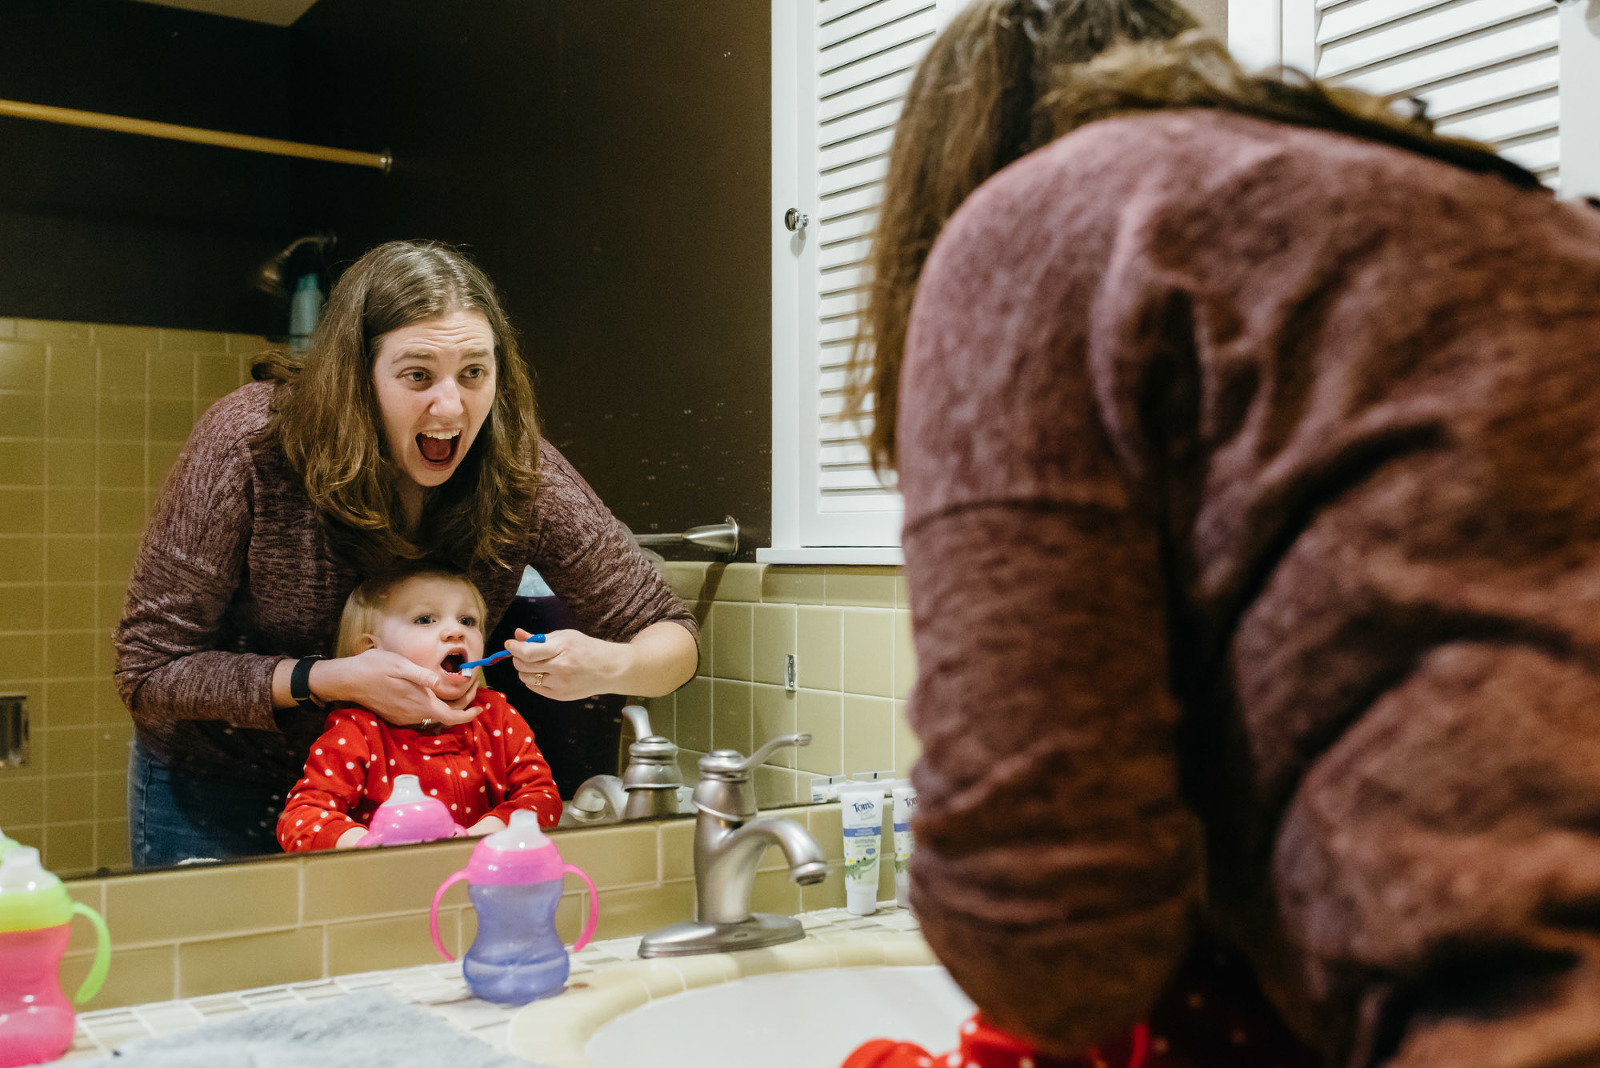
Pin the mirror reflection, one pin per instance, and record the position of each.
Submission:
(131, 306)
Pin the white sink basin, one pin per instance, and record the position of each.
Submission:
(801, 1019)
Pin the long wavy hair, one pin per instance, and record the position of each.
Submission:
(1008, 76)
(325, 415)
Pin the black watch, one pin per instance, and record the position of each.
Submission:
(300, 682)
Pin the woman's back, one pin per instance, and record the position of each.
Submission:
(1277, 446)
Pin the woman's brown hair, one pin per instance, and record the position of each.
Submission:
(1008, 76)
(325, 414)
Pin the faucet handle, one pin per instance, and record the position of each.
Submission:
(639, 717)
(729, 764)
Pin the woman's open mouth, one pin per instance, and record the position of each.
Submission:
(438, 448)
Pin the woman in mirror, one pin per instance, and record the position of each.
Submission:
(1250, 448)
(408, 433)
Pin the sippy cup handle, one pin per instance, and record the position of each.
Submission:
(594, 905)
(102, 954)
(433, 914)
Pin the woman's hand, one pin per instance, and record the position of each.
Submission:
(568, 665)
(388, 685)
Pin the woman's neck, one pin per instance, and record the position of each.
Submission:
(412, 498)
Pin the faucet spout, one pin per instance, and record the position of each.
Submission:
(730, 868)
(594, 799)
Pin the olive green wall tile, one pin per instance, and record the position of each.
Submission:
(22, 607)
(819, 714)
(21, 463)
(248, 345)
(21, 558)
(792, 585)
(663, 716)
(65, 750)
(221, 900)
(22, 415)
(125, 337)
(71, 462)
(225, 964)
(868, 651)
(69, 511)
(111, 745)
(215, 376)
(69, 848)
(111, 844)
(120, 465)
(159, 458)
(907, 747)
(389, 942)
(828, 894)
(114, 555)
(639, 909)
(22, 511)
(677, 849)
(905, 655)
(111, 793)
(108, 706)
(90, 892)
(110, 598)
(369, 882)
(52, 330)
(20, 655)
(731, 716)
(71, 418)
(827, 827)
(121, 511)
(775, 787)
(773, 640)
(28, 835)
(693, 703)
(70, 606)
(8, 328)
(613, 856)
(731, 641)
(687, 579)
(902, 595)
(137, 976)
(191, 341)
(819, 637)
(734, 582)
(22, 365)
(773, 714)
(120, 418)
(169, 419)
(69, 799)
(868, 734)
(69, 558)
(868, 587)
(774, 891)
(21, 800)
(74, 372)
(121, 370)
(67, 703)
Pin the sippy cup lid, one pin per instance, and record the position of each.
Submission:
(30, 897)
(522, 853)
(407, 791)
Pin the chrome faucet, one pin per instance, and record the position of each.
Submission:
(648, 788)
(729, 838)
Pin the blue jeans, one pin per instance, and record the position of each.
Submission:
(176, 815)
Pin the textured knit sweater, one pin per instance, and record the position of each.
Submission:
(1252, 481)
(487, 766)
(235, 573)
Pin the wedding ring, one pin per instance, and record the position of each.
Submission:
(538, 677)
(425, 724)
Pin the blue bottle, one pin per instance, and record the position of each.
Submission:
(514, 880)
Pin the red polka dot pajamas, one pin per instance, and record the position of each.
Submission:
(488, 766)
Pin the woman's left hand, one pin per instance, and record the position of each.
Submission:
(569, 665)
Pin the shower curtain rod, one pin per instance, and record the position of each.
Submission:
(97, 121)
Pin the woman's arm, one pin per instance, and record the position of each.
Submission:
(569, 665)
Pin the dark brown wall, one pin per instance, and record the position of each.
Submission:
(107, 227)
(607, 162)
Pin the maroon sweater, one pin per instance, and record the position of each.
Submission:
(1252, 481)
(235, 573)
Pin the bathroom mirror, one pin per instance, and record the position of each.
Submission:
(606, 162)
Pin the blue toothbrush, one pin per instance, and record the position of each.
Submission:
(472, 665)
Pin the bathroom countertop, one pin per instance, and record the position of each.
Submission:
(435, 988)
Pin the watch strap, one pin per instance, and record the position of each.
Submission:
(300, 682)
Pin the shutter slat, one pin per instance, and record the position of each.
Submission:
(1427, 68)
(874, 119)
(873, 146)
(871, 169)
(833, 29)
(888, 45)
(847, 228)
(1509, 122)
(856, 96)
(1535, 74)
(1435, 28)
(847, 254)
(1349, 19)
(1541, 155)
(866, 198)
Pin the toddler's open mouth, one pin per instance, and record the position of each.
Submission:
(452, 663)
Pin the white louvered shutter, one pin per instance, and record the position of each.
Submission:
(1489, 70)
(833, 120)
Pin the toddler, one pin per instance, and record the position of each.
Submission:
(483, 769)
